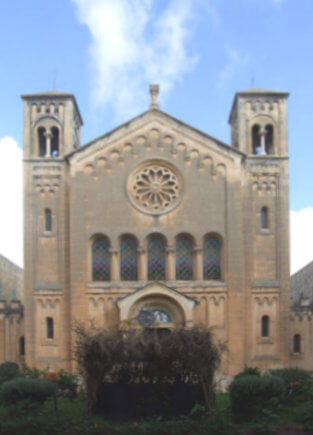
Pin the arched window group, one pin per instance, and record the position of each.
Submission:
(48, 142)
(262, 139)
(157, 258)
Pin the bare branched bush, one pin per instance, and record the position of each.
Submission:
(147, 355)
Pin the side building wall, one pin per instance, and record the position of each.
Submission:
(12, 342)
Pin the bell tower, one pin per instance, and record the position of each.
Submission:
(258, 121)
(52, 123)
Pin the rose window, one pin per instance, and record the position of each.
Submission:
(155, 188)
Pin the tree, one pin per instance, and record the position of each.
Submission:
(151, 354)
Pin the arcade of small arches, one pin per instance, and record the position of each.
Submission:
(157, 261)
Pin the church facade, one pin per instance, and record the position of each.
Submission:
(158, 222)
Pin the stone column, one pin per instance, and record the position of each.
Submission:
(262, 135)
(170, 264)
(48, 136)
(142, 263)
(115, 271)
(198, 266)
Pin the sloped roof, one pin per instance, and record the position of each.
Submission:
(302, 283)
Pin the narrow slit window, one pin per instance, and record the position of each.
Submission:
(297, 343)
(265, 326)
(22, 346)
(50, 327)
(264, 218)
(48, 219)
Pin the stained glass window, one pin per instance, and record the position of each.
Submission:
(212, 258)
(156, 258)
(101, 259)
(184, 258)
(128, 258)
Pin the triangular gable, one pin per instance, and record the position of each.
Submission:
(172, 133)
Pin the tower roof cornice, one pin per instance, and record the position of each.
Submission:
(53, 95)
(255, 92)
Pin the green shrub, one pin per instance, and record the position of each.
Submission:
(249, 371)
(250, 395)
(298, 384)
(33, 372)
(8, 371)
(26, 393)
(67, 385)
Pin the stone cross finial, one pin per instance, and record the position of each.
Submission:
(154, 92)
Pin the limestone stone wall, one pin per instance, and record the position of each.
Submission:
(12, 342)
(157, 175)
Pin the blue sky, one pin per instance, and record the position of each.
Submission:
(200, 51)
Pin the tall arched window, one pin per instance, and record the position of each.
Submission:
(101, 259)
(264, 218)
(265, 326)
(184, 258)
(54, 142)
(269, 139)
(256, 140)
(50, 327)
(128, 258)
(48, 220)
(41, 142)
(156, 257)
(297, 343)
(212, 250)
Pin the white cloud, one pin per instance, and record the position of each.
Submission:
(236, 61)
(11, 199)
(133, 46)
(301, 238)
